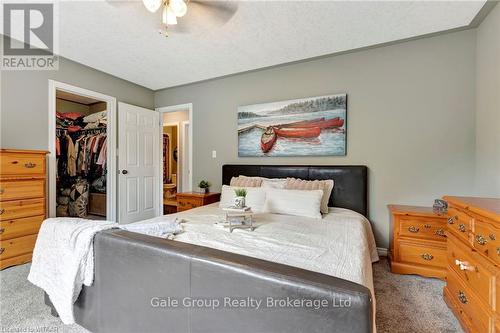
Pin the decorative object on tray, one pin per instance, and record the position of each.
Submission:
(204, 186)
(239, 200)
(237, 218)
(313, 126)
(440, 206)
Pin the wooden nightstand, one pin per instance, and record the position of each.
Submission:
(189, 200)
(418, 241)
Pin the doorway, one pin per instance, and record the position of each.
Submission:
(82, 163)
(176, 152)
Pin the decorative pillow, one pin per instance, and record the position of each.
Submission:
(256, 197)
(273, 183)
(244, 181)
(309, 185)
(294, 202)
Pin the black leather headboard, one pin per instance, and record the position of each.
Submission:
(351, 181)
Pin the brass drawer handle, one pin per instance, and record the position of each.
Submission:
(440, 232)
(413, 229)
(452, 219)
(461, 227)
(30, 165)
(2, 210)
(493, 237)
(498, 251)
(1, 250)
(481, 240)
(461, 297)
(2, 191)
(2, 230)
(427, 256)
(427, 226)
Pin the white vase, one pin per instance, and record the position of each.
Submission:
(239, 202)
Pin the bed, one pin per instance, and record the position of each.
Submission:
(309, 276)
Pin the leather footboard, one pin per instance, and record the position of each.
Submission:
(148, 284)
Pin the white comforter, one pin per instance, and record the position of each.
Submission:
(341, 244)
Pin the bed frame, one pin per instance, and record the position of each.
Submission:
(132, 269)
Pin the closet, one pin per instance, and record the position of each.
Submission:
(81, 156)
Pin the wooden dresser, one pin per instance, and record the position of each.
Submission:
(472, 290)
(418, 241)
(22, 203)
(190, 200)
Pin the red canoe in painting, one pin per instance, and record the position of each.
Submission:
(302, 123)
(268, 139)
(295, 132)
(330, 123)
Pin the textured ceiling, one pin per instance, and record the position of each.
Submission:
(122, 39)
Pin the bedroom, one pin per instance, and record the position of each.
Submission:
(418, 118)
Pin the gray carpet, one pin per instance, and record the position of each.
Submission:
(405, 303)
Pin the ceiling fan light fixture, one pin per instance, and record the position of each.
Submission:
(168, 16)
(179, 7)
(152, 5)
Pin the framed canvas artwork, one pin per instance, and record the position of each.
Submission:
(314, 126)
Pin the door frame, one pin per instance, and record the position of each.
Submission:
(175, 108)
(183, 150)
(111, 185)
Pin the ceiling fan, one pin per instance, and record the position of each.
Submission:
(200, 13)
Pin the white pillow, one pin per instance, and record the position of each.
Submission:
(294, 202)
(256, 197)
(273, 183)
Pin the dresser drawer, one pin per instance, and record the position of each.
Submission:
(421, 227)
(486, 240)
(20, 227)
(22, 189)
(17, 246)
(12, 164)
(459, 223)
(422, 253)
(477, 274)
(470, 306)
(21, 208)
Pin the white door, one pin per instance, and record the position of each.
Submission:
(138, 163)
(186, 170)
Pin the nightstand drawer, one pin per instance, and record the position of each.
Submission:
(467, 264)
(459, 223)
(188, 203)
(422, 253)
(422, 227)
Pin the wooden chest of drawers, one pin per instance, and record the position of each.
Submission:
(418, 241)
(472, 290)
(22, 203)
(190, 200)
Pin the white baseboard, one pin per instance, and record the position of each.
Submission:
(382, 251)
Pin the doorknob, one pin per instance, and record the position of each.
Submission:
(124, 172)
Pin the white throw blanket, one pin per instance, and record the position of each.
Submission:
(63, 258)
(162, 227)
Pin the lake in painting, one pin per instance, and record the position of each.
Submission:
(313, 126)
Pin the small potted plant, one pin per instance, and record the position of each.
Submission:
(239, 200)
(204, 186)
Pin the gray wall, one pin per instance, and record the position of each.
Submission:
(488, 106)
(410, 117)
(24, 100)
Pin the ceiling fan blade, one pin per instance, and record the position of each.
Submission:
(205, 15)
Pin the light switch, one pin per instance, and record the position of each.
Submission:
(214, 154)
